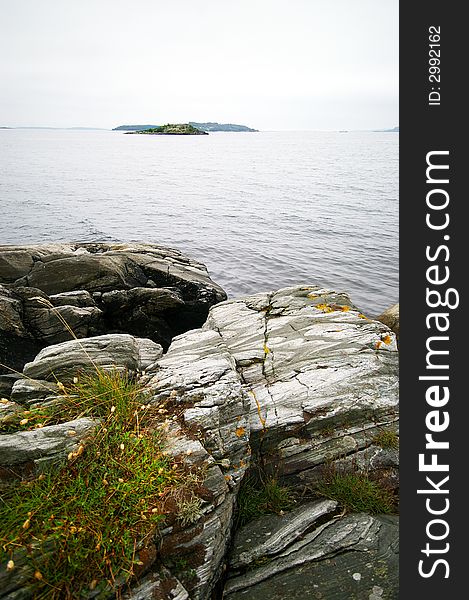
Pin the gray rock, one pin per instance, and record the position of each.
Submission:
(11, 314)
(354, 557)
(390, 317)
(141, 289)
(299, 373)
(14, 263)
(80, 298)
(362, 539)
(114, 351)
(162, 585)
(42, 446)
(271, 534)
(29, 391)
(6, 383)
(203, 545)
(54, 325)
(294, 379)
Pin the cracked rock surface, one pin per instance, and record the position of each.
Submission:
(353, 557)
(291, 381)
(142, 289)
(299, 376)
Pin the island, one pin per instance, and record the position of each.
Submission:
(204, 127)
(171, 129)
(222, 127)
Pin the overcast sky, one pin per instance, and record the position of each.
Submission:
(270, 64)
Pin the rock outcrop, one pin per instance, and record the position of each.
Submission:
(352, 556)
(292, 382)
(300, 374)
(142, 289)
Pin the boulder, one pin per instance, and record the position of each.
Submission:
(390, 317)
(114, 351)
(351, 556)
(27, 452)
(93, 289)
(29, 391)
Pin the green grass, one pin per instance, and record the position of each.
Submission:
(259, 496)
(387, 438)
(356, 492)
(105, 504)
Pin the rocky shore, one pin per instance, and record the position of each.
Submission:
(288, 386)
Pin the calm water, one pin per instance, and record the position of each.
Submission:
(261, 210)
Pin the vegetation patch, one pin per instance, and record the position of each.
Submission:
(172, 128)
(387, 438)
(357, 492)
(261, 495)
(81, 527)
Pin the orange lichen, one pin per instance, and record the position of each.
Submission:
(387, 339)
(345, 308)
(326, 308)
(378, 344)
(240, 431)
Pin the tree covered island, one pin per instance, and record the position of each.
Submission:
(171, 129)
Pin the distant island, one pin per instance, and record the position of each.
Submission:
(221, 127)
(204, 127)
(170, 129)
(393, 130)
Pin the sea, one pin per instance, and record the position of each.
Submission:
(262, 210)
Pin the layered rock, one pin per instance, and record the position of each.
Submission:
(289, 381)
(142, 289)
(351, 556)
(300, 374)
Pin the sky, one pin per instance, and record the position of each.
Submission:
(269, 64)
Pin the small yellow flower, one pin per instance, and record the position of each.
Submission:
(61, 386)
(120, 480)
(26, 524)
(23, 421)
(38, 575)
(10, 565)
(122, 446)
(75, 380)
(113, 409)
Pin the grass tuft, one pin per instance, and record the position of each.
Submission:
(387, 439)
(258, 497)
(356, 492)
(97, 511)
